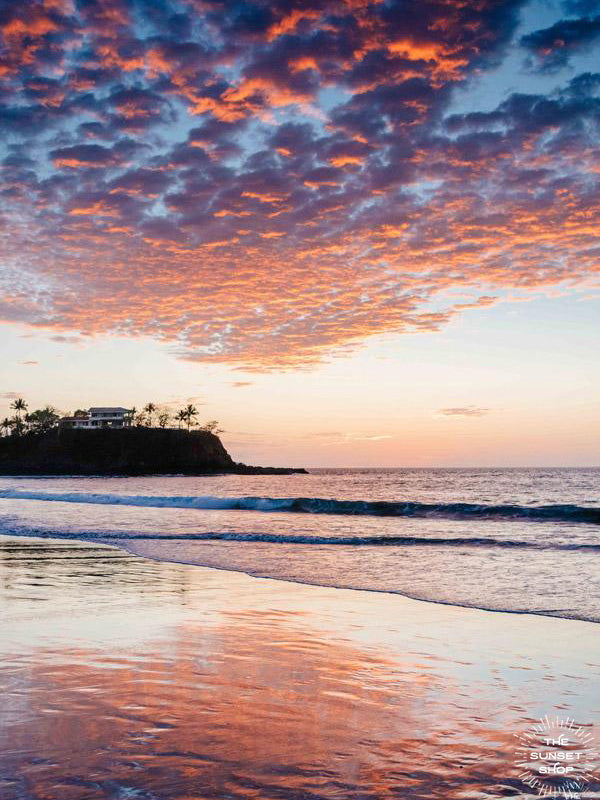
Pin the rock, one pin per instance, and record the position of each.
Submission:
(244, 469)
(130, 451)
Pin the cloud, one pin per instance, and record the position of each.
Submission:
(463, 411)
(84, 155)
(265, 184)
(580, 7)
(241, 384)
(374, 438)
(29, 363)
(61, 339)
(11, 395)
(555, 45)
(180, 401)
(337, 437)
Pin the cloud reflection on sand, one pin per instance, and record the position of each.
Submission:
(217, 685)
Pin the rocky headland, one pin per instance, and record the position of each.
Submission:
(131, 451)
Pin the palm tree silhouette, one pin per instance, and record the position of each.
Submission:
(19, 405)
(6, 425)
(150, 408)
(180, 417)
(190, 412)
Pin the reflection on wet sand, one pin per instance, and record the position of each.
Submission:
(126, 678)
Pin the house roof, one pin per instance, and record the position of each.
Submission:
(110, 410)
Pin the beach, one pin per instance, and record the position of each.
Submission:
(126, 677)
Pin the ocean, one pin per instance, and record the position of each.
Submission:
(516, 540)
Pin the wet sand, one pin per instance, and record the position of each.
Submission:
(129, 678)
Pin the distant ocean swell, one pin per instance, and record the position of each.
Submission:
(315, 505)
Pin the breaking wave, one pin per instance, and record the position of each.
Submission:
(316, 505)
(272, 538)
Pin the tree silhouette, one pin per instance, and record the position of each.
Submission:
(19, 405)
(212, 426)
(150, 408)
(189, 412)
(42, 420)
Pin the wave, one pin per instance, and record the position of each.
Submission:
(273, 538)
(315, 505)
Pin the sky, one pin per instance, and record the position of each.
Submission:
(356, 233)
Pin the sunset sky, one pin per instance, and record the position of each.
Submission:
(356, 233)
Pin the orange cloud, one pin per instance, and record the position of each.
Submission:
(37, 25)
(343, 161)
(288, 23)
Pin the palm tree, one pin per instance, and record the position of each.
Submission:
(150, 408)
(19, 405)
(132, 414)
(190, 412)
(180, 417)
(6, 425)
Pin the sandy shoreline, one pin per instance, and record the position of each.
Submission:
(150, 548)
(125, 677)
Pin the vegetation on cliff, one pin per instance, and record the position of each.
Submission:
(44, 419)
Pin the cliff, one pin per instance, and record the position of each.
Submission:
(133, 451)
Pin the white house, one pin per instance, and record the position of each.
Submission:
(116, 417)
(100, 417)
